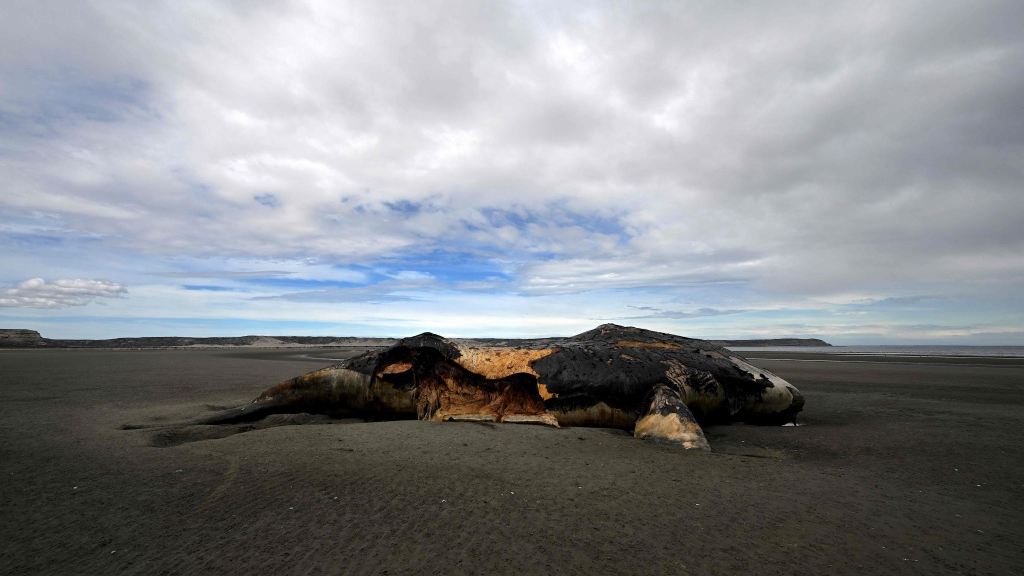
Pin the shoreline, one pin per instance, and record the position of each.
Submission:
(867, 358)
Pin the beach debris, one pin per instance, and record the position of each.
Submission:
(660, 386)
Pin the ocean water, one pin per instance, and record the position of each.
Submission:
(932, 351)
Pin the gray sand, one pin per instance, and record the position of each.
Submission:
(900, 468)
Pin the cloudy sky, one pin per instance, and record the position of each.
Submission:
(850, 171)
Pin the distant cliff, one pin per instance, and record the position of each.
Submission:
(772, 342)
(18, 338)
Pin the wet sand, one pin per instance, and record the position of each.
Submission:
(903, 466)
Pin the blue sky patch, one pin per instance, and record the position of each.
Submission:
(200, 288)
(446, 266)
(268, 200)
(405, 207)
(296, 283)
(35, 239)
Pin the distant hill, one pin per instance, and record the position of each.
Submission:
(772, 342)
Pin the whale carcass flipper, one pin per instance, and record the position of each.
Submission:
(669, 421)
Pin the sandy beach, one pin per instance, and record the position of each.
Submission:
(902, 465)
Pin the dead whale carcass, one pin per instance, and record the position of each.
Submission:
(661, 386)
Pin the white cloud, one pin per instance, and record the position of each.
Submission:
(794, 152)
(39, 293)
